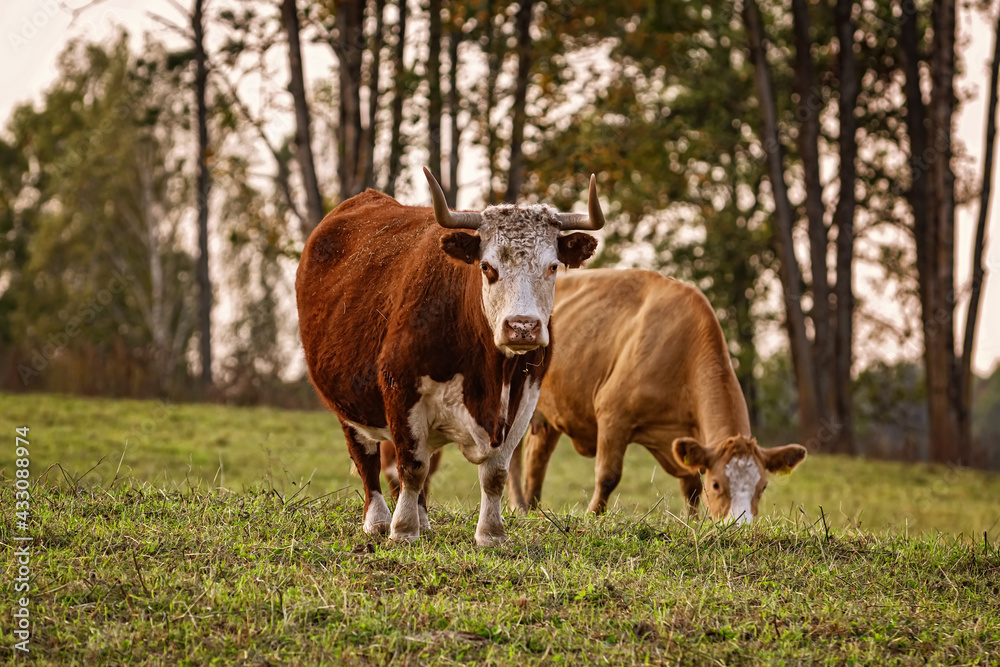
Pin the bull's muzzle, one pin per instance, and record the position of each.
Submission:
(522, 333)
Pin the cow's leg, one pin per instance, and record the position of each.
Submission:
(425, 493)
(690, 484)
(611, 444)
(492, 478)
(412, 463)
(691, 489)
(387, 452)
(539, 445)
(365, 454)
(515, 474)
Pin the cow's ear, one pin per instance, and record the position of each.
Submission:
(783, 460)
(690, 454)
(463, 247)
(576, 248)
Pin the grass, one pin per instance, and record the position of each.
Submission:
(182, 559)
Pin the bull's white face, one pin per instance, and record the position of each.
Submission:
(518, 259)
(517, 250)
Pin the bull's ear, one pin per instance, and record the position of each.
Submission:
(690, 454)
(783, 460)
(463, 247)
(576, 248)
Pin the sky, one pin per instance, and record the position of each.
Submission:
(33, 32)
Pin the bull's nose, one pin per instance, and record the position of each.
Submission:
(522, 330)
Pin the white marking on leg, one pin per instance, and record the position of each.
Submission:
(425, 522)
(743, 477)
(377, 517)
(392, 475)
(406, 519)
(489, 530)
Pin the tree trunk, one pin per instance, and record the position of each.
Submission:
(493, 46)
(943, 387)
(843, 218)
(791, 279)
(434, 95)
(204, 189)
(367, 166)
(515, 177)
(454, 39)
(918, 194)
(809, 107)
(346, 46)
(399, 92)
(978, 271)
(303, 137)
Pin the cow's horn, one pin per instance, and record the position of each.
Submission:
(445, 217)
(588, 222)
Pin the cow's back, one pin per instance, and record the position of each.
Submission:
(631, 346)
(357, 268)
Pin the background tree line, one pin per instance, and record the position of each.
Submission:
(739, 147)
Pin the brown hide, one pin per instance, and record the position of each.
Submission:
(381, 305)
(657, 370)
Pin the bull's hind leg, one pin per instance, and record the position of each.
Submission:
(387, 451)
(365, 455)
(425, 494)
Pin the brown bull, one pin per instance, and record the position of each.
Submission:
(423, 335)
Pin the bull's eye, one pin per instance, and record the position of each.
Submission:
(715, 485)
(491, 274)
(553, 268)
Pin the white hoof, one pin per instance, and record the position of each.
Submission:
(425, 522)
(377, 519)
(494, 540)
(404, 538)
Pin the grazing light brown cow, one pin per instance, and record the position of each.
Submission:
(642, 358)
(422, 335)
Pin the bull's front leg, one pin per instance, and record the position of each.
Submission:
(492, 478)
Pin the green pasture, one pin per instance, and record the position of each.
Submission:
(303, 454)
(232, 536)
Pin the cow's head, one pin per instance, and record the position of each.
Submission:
(518, 250)
(736, 472)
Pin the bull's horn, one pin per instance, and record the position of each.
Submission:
(445, 217)
(588, 222)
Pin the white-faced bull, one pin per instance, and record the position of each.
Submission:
(417, 332)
